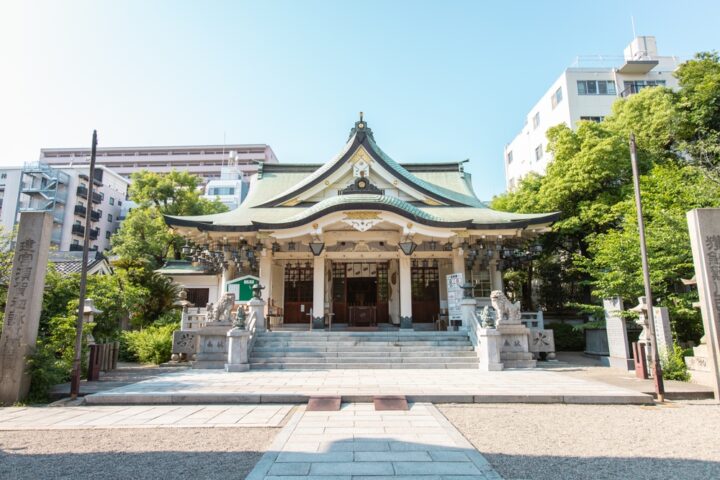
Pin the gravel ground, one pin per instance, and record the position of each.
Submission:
(677, 440)
(206, 453)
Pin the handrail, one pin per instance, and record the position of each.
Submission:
(473, 325)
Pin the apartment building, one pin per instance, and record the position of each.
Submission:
(205, 161)
(63, 191)
(585, 91)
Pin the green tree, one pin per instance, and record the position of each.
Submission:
(144, 233)
(613, 263)
(699, 112)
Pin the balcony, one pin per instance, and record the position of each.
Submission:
(78, 230)
(95, 216)
(94, 233)
(82, 191)
(80, 210)
(97, 197)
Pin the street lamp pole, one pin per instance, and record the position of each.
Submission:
(75, 376)
(655, 360)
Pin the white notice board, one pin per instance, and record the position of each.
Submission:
(455, 281)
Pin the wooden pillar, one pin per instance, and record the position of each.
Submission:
(405, 292)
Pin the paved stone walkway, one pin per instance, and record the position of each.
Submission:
(92, 417)
(296, 386)
(359, 443)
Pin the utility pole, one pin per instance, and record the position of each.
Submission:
(75, 376)
(654, 358)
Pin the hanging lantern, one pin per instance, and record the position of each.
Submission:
(433, 245)
(316, 247)
(291, 246)
(275, 247)
(447, 247)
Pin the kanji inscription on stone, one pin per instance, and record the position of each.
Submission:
(24, 302)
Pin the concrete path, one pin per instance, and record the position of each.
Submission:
(93, 417)
(359, 443)
(437, 386)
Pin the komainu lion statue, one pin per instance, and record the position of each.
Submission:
(221, 311)
(506, 312)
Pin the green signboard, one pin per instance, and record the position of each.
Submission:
(242, 287)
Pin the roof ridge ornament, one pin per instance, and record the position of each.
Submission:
(361, 130)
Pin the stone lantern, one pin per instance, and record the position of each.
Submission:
(89, 313)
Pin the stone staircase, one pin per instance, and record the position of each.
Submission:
(388, 349)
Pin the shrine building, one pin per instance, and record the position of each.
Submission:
(360, 240)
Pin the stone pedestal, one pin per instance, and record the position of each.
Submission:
(514, 347)
(184, 345)
(542, 342)
(212, 348)
(618, 346)
(467, 307)
(257, 306)
(237, 357)
(24, 304)
(488, 349)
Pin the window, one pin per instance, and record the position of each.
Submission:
(76, 242)
(538, 152)
(110, 218)
(3, 176)
(107, 234)
(198, 296)
(596, 87)
(556, 97)
(536, 120)
(222, 191)
(119, 203)
(112, 201)
(509, 157)
(634, 86)
(592, 119)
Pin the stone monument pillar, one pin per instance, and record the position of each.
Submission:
(24, 304)
(620, 356)
(704, 226)
(663, 333)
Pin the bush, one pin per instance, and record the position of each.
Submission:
(567, 338)
(673, 365)
(52, 361)
(151, 345)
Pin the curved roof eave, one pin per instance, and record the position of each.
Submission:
(414, 216)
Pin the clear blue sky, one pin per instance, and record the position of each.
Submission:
(438, 81)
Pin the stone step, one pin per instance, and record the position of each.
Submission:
(295, 343)
(357, 353)
(363, 348)
(396, 333)
(393, 360)
(348, 366)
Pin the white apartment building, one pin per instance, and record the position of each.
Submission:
(10, 181)
(205, 161)
(585, 92)
(63, 191)
(232, 186)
